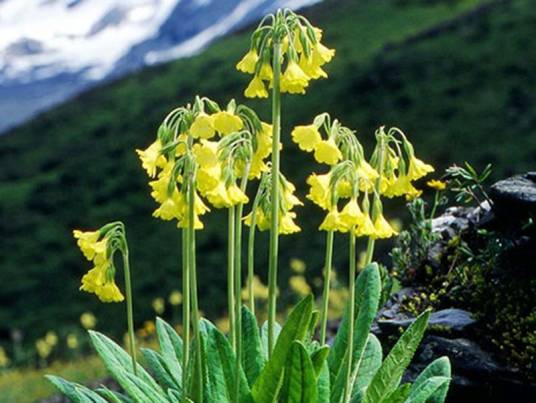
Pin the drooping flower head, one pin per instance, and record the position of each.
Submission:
(210, 148)
(99, 247)
(300, 53)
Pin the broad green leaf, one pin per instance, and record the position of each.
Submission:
(157, 363)
(300, 379)
(175, 397)
(367, 292)
(74, 391)
(171, 349)
(323, 388)
(388, 376)
(426, 390)
(268, 383)
(205, 385)
(113, 397)
(252, 358)
(264, 337)
(439, 367)
(369, 364)
(318, 358)
(399, 395)
(216, 376)
(223, 360)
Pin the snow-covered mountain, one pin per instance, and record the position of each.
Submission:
(51, 50)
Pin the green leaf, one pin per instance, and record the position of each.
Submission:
(367, 292)
(264, 337)
(323, 387)
(268, 383)
(438, 368)
(318, 358)
(370, 362)
(168, 339)
(77, 393)
(388, 376)
(427, 391)
(252, 358)
(113, 397)
(157, 363)
(222, 366)
(399, 395)
(300, 379)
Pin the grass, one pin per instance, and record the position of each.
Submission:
(463, 93)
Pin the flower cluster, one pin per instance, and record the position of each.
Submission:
(301, 51)
(99, 247)
(212, 146)
(261, 213)
(355, 180)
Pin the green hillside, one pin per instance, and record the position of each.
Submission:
(457, 76)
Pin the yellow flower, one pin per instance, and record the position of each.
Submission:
(159, 305)
(184, 222)
(266, 73)
(88, 243)
(203, 126)
(264, 141)
(219, 197)
(93, 279)
(319, 190)
(287, 224)
(294, 80)
(172, 207)
(208, 178)
(175, 298)
(227, 122)
(351, 215)
(418, 169)
(109, 292)
(299, 285)
(236, 196)
(206, 153)
(365, 171)
(436, 184)
(297, 265)
(256, 89)
(248, 62)
(260, 291)
(413, 194)
(312, 69)
(344, 188)
(382, 229)
(4, 359)
(51, 338)
(307, 137)
(322, 55)
(43, 348)
(366, 228)
(257, 167)
(72, 341)
(399, 187)
(327, 152)
(151, 158)
(332, 221)
(88, 320)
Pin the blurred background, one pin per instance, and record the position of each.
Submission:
(84, 83)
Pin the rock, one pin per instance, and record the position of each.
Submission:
(451, 320)
(516, 195)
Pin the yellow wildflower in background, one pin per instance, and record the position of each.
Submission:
(436, 184)
(297, 265)
(175, 298)
(43, 348)
(159, 305)
(299, 285)
(260, 291)
(72, 341)
(88, 320)
(4, 359)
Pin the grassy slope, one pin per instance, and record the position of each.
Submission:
(465, 94)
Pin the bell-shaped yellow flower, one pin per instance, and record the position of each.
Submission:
(418, 169)
(344, 189)
(236, 196)
(264, 141)
(332, 221)
(322, 55)
(309, 67)
(151, 159)
(203, 126)
(327, 152)
(294, 80)
(256, 89)
(93, 279)
(248, 62)
(319, 190)
(287, 224)
(206, 153)
(366, 227)
(307, 137)
(266, 73)
(382, 229)
(436, 184)
(183, 222)
(208, 178)
(401, 186)
(219, 197)
(351, 215)
(171, 208)
(227, 122)
(89, 244)
(109, 292)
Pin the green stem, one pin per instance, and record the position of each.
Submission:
(370, 250)
(130, 316)
(434, 207)
(185, 308)
(274, 227)
(230, 276)
(193, 280)
(351, 316)
(251, 252)
(325, 293)
(238, 284)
